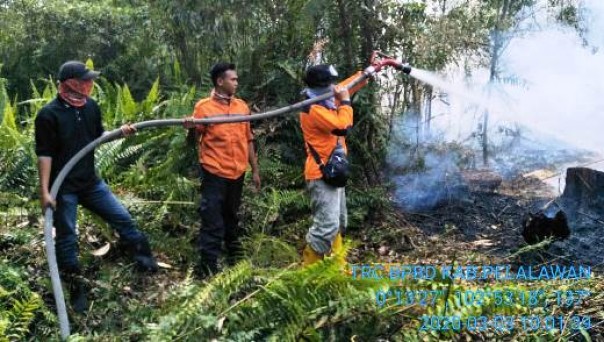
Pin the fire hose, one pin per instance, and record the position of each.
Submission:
(378, 61)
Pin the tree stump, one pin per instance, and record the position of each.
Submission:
(581, 202)
(575, 219)
(584, 190)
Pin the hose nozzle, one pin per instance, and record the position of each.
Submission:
(404, 67)
(385, 60)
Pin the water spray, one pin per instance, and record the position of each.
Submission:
(378, 61)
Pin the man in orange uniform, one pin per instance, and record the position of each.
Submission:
(224, 153)
(323, 125)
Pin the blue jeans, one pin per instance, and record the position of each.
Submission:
(100, 200)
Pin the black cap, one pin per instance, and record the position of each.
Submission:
(320, 75)
(75, 69)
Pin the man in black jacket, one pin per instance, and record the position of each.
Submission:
(62, 128)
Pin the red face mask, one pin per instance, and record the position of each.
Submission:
(75, 91)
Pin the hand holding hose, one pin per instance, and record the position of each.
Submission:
(341, 93)
(188, 123)
(128, 130)
(47, 201)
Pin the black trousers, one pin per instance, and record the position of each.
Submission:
(220, 201)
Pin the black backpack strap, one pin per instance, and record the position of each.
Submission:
(340, 132)
(315, 155)
(337, 140)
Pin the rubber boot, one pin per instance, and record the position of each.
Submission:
(337, 250)
(234, 253)
(141, 252)
(309, 256)
(77, 290)
(206, 268)
(77, 296)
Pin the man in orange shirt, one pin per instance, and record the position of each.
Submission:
(224, 153)
(325, 124)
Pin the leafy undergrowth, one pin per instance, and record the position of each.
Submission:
(22, 311)
(268, 296)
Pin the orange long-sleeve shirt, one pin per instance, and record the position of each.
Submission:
(317, 126)
(223, 148)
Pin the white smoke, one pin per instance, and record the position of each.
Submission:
(549, 100)
(564, 86)
(593, 17)
(553, 83)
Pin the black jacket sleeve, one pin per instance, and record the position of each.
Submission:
(98, 118)
(45, 134)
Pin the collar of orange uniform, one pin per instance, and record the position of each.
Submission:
(222, 98)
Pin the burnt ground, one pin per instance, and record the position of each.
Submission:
(482, 227)
(452, 210)
(479, 225)
(489, 222)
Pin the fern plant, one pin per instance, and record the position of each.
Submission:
(247, 303)
(16, 149)
(19, 306)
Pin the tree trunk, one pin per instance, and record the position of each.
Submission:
(583, 190)
(428, 92)
(186, 55)
(416, 110)
(493, 73)
(485, 138)
(346, 35)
